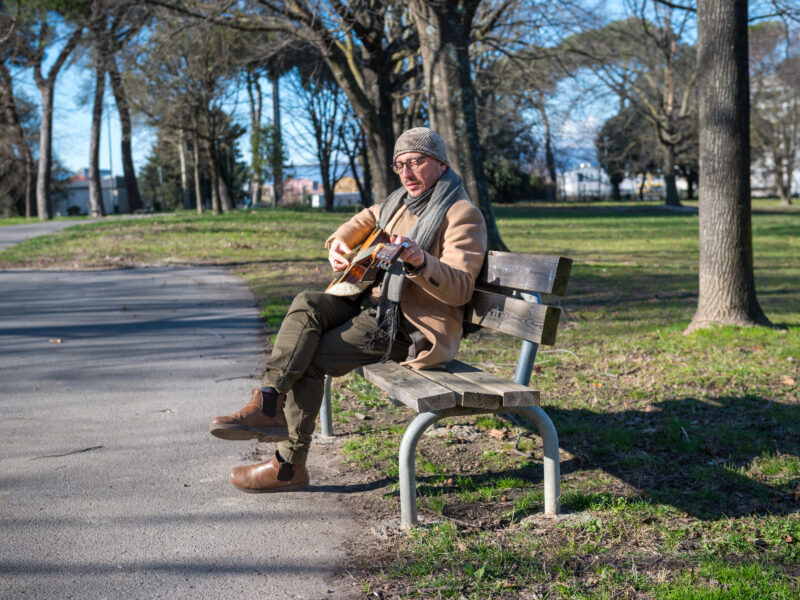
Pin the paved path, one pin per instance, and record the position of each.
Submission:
(110, 486)
(14, 234)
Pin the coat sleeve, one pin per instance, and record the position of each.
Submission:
(450, 271)
(355, 230)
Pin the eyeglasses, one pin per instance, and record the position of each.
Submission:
(411, 163)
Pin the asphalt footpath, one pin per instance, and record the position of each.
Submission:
(110, 485)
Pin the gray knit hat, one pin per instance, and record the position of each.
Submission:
(423, 140)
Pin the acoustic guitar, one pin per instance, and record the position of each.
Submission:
(376, 254)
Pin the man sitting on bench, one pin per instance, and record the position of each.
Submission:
(413, 316)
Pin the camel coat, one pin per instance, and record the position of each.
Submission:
(433, 300)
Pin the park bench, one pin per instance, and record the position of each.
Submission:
(506, 299)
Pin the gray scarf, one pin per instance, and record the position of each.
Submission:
(430, 207)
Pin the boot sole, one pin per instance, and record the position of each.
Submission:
(288, 488)
(238, 433)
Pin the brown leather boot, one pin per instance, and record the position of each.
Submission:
(262, 418)
(272, 476)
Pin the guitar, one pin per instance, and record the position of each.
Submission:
(376, 254)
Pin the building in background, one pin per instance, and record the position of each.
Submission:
(76, 199)
(584, 182)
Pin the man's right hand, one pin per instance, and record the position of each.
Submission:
(337, 255)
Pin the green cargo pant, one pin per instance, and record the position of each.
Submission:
(321, 335)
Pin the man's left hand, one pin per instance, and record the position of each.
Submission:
(413, 255)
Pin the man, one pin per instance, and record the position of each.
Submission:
(414, 316)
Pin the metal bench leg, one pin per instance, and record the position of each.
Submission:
(325, 415)
(408, 450)
(552, 466)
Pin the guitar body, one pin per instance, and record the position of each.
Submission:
(374, 254)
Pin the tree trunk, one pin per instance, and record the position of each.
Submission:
(256, 104)
(277, 141)
(18, 134)
(615, 191)
(197, 187)
(444, 33)
(95, 183)
(727, 291)
(184, 169)
(212, 169)
(45, 152)
(671, 198)
(367, 199)
(549, 156)
(131, 186)
(225, 203)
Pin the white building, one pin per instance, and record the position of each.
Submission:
(76, 201)
(584, 182)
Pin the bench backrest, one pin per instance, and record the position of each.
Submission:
(498, 299)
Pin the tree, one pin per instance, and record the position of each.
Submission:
(727, 292)
(180, 78)
(43, 22)
(444, 31)
(775, 102)
(625, 146)
(19, 124)
(643, 60)
(320, 103)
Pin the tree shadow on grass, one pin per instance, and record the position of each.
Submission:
(694, 454)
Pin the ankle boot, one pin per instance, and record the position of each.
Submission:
(262, 418)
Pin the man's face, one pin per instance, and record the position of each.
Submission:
(427, 173)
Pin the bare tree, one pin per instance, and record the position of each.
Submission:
(775, 102)
(180, 78)
(644, 60)
(46, 26)
(727, 291)
(319, 104)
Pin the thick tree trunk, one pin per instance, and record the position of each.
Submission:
(671, 198)
(444, 33)
(727, 291)
(277, 140)
(131, 186)
(45, 152)
(198, 191)
(95, 183)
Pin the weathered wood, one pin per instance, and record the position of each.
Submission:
(409, 387)
(514, 394)
(526, 272)
(533, 322)
(468, 393)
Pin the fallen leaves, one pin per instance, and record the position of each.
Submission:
(786, 380)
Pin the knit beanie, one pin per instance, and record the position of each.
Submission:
(423, 140)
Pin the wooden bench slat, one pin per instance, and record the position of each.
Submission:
(514, 394)
(468, 393)
(527, 272)
(533, 322)
(409, 387)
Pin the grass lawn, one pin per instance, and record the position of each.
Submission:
(680, 454)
